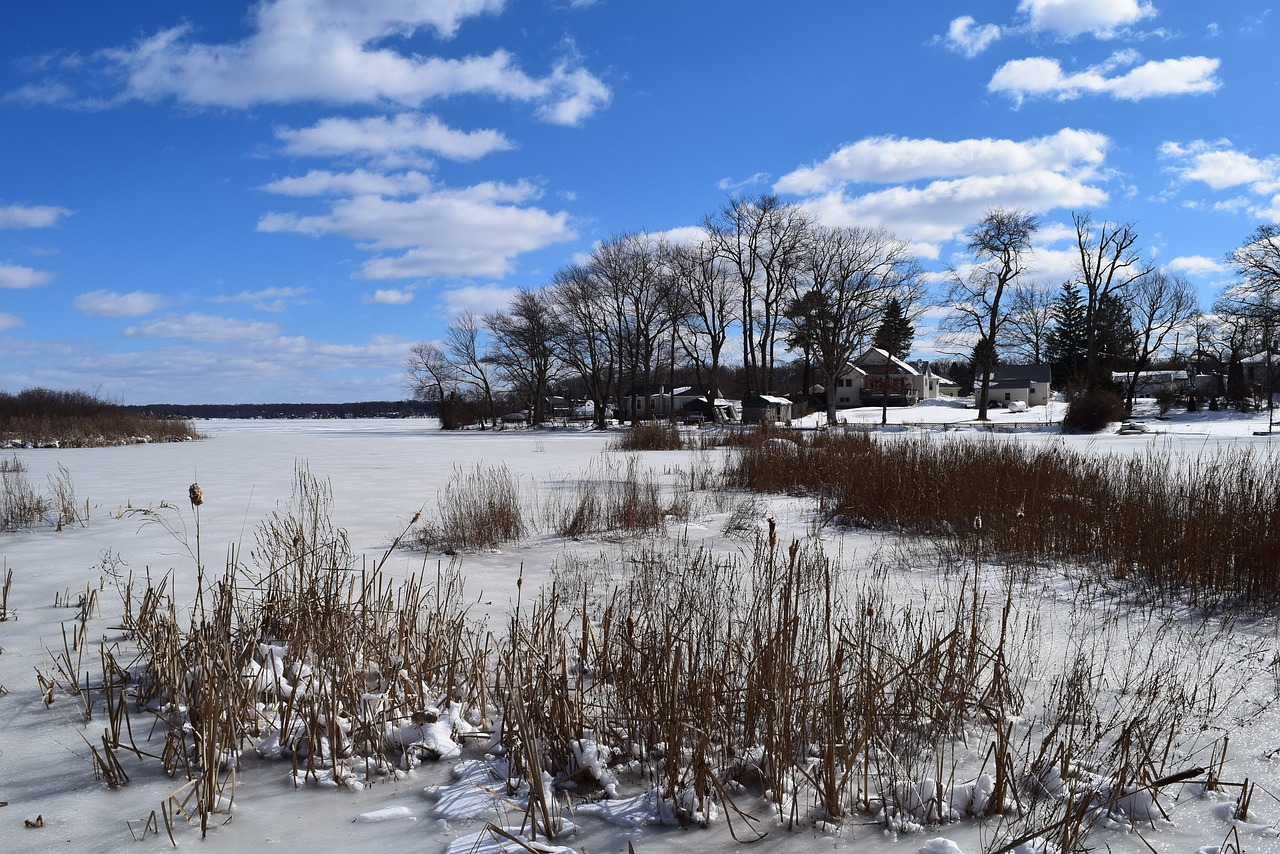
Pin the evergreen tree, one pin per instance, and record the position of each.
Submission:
(984, 358)
(1114, 337)
(1068, 339)
(896, 331)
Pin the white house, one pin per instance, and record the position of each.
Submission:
(1027, 384)
(876, 377)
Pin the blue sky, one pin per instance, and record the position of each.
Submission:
(271, 202)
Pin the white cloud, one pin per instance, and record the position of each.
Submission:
(684, 235)
(342, 52)
(110, 304)
(1220, 166)
(1043, 77)
(274, 300)
(1102, 18)
(31, 216)
(9, 321)
(940, 188)
(203, 327)
(888, 159)
(319, 182)
(404, 137)
(391, 296)
(967, 37)
(733, 185)
(1196, 265)
(15, 276)
(473, 231)
(478, 299)
(573, 96)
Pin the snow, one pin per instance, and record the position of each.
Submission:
(382, 473)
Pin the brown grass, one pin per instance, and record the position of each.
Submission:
(40, 417)
(1207, 527)
(712, 680)
(479, 508)
(649, 436)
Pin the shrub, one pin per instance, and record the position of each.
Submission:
(649, 436)
(1092, 410)
(480, 508)
(76, 419)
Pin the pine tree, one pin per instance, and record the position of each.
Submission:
(1068, 339)
(1114, 337)
(896, 331)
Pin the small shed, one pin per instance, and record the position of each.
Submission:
(765, 409)
(698, 409)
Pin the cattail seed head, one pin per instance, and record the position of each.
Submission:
(196, 494)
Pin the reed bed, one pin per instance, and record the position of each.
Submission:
(1207, 527)
(764, 689)
(307, 655)
(39, 417)
(616, 498)
(24, 506)
(649, 436)
(479, 508)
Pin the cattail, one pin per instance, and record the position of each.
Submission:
(977, 522)
(196, 494)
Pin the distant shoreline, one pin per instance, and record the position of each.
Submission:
(253, 411)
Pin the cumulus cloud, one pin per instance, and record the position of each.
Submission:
(968, 38)
(889, 159)
(939, 188)
(321, 182)
(405, 137)
(477, 299)
(31, 216)
(9, 321)
(16, 276)
(203, 327)
(346, 53)
(472, 231)
(391, 296)
(1218, 165)
(1041, 77)
(1196, 265)
(274, 300)
(1068, 18)
(111, 304)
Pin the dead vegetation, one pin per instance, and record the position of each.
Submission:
(1205, 528)
(44, 418)
(772, 687)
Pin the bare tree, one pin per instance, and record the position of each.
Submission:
(631, 272)
(520, 347)
(582, 334)
(1031, 317)
(848, 277)
(705, 306)
(1257, 262)
(1159, 304)
(1108, 262)
(761, 238)
(429, 373)
(999, 245)
(464, 351)
(1250, 308)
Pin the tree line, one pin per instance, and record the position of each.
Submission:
(801, 300)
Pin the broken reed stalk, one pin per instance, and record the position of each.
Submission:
(4, 592)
